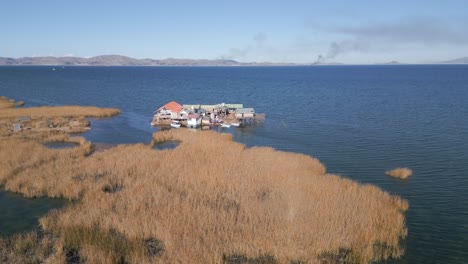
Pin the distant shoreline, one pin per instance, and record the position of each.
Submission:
(118, 60)
(234, 66)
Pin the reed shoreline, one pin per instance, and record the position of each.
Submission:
(48, 119)
(209, 200)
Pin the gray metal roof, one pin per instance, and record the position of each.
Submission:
(234, 106)
(23, 118)
(245, 111)
(215, 106)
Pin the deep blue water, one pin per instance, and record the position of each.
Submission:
(358, 120)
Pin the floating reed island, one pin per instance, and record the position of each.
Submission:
(402, 173)
(48, 119)
(6, 102)
(195, 203)
(205, 116)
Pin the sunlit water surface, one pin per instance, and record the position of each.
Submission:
(358, 120)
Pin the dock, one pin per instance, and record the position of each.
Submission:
(199, 115)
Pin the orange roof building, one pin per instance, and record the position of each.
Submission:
(173, 106)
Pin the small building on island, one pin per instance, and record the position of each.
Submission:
(16, 127)
(194, 120)
(245, 113)
(166, 113)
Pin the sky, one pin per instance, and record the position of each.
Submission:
(354, 32)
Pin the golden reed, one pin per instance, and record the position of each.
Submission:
(209, 200)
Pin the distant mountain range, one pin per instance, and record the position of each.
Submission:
(392, 63)
(117, 60)
(457, 61)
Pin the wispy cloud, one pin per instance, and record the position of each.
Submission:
(409, 37)
(425, 30)
(253, 49)
(422, 31)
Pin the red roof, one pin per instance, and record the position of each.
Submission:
(173, 106)
(194, 116)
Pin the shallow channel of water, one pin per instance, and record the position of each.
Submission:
(61, 145)
(20, 214)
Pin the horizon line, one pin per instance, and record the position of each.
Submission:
(243, 63)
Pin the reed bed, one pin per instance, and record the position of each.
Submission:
(210, 200)
(6, 103)
(58, 111)
(32, 247)
(402, 173)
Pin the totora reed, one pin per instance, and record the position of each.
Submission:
(209, 200)
(59, 111)
(402, 173)
(47, 119)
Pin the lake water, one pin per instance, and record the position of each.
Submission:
(358, 120)
(19, 213)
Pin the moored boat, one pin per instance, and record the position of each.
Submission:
(175, 124)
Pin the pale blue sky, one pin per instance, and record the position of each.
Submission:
(287, 31)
